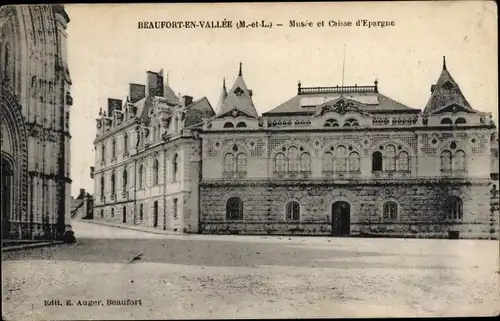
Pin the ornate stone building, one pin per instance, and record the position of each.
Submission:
(329, 161)
(147, 165)
(35, 147)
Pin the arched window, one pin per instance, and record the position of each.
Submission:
(453, 208)
(102, 214)
(124, 217)
(459, 163)
(305, 162)
(331, 123)
(403, 162)
(353, 162)
(390, 156)
(280, 163)
(113, 148)
(446, 161)
(241, 163)
(112, 213)
(141, 212)
(340, 159)
(125, 179)
(103, 152)
(229, 163)
(141, 178)
(351, 122)
(328, 162)
(228, 125)
(156, 174)
(125, 143)
(102, 186)
(113, 184)
(175, 167)
(376, 161)
(390, 211)
(293, 159)
(234, 209)
(446, 121)
(241, 125)
(293, 211)
(460, 121)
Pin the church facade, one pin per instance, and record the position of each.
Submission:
(342, 161)
(35, 137)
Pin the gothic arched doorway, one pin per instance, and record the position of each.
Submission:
(341, 219)
(6, 189)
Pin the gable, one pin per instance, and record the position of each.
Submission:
(455, 108)
(235, 112)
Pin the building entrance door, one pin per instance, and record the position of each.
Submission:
(155, 214)
(341, 219)
(6, 190)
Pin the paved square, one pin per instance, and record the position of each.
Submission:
(198, 276)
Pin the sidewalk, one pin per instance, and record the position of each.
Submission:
(14, 245)
(146, 229)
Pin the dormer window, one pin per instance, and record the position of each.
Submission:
(448, 85)
(238, 91)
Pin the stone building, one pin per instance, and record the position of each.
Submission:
(36, 100)
(147, 165)
(343, 160)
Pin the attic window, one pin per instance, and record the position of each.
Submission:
(448, 85)
(238, 91)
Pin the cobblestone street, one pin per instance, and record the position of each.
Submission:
(198, 276)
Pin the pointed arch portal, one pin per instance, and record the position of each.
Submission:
(14, 162)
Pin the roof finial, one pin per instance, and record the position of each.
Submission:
(444, 63)
(240, 73)
(100, 111)
(299, 86)
(167, 78)
(376, 85)
(224, 83)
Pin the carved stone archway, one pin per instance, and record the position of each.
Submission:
(12, 121)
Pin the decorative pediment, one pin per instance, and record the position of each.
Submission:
(341, 106)
(455, 108)
(235, 113)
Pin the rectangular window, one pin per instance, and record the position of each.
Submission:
(175, 208)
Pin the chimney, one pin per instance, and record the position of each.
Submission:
(136, 92)
(188, 100)
(154, 84)
(113, 104)
(81, 195)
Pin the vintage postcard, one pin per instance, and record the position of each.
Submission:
(249, 160)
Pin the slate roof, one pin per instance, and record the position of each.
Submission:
(372, 102)
(238, 97)
(198, 110)
(446, 92)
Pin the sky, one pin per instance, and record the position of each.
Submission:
(107, 51)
